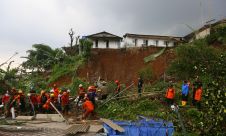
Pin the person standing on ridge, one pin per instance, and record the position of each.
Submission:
(139, 86)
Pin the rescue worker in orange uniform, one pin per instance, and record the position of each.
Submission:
(118, 88)
(42, 98)
(170, 93)
(91, 94)
(81, 93)
(5, 98)
(197, 97)
(65, 103)
(47, 106)
(5, 102)
(56, 91)
(88, 108)
(21, 101)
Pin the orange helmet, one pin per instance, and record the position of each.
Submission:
(91, 88)
(116, 81)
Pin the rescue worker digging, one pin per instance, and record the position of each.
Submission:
(48, 108)
(65, 103)
(88, 108)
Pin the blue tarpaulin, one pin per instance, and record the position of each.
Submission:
(144, 127)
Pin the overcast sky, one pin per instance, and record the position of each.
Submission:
(26, 22)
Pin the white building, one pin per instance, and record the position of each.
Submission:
(137, 40)
(203, 31)
(105, 40)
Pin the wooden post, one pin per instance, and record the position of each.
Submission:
(66, 121)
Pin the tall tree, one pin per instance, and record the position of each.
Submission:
(71, 34)
(42, 57)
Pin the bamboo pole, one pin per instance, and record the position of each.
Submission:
(66, 121)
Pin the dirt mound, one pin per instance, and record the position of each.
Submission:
(124, 65)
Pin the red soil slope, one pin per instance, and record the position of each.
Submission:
(112, 64)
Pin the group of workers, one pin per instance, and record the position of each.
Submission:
(196, 88)
(34, 102)
(46, 102)
(58, 99)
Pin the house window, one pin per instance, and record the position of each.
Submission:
(166, 43)
(156, 43)
(96, 43)
(107, 44)
(145, 42)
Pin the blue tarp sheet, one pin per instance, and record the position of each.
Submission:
(144, 127)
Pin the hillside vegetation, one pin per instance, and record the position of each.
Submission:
(204, 58)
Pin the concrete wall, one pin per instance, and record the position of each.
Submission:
(130, 42)
(202, 34)
(102, 44)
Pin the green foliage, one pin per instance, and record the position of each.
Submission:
(146, 73)
(8, 77)
(159, 86)
(74, 85)
(214, 98)
(153, 56)
(86, 47)
(190, 58)
(128, 110)
(217, 35)
(42, 57)
(111, 86)
(68, 67)
(208, 63)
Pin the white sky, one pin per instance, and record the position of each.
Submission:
(26, 22)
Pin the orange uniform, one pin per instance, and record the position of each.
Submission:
(82, 91)
(56, 92)
(5, 99)
(198, 94)
(47, 105)
(64, 100)
(88, 106)
(170, 93)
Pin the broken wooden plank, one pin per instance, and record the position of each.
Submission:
(113, 125)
